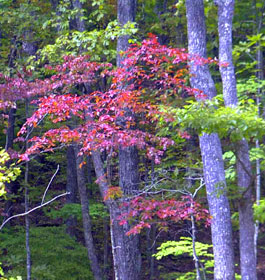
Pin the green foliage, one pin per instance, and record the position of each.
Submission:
(249, 86)
(99, 44)
(102, 13)
(211, 116)
(7, 174)
(54, 254)
(16, 18)
(96, 210)
(184, 246)
(62, 17)
(259, 211)
(244, 53)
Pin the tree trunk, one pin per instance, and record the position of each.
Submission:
(10, 135)
(30, 48)
(244, 172)
(126, 253)
(210, 145)
(71, 187)
(80, 24)
(125, 249)
(260, 75)
(126, 13)
(27, 221)
(127, 256)
(81, 182)
(106, 254)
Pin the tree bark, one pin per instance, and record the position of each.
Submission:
(127, 256)
(80, 24)
(81, 183)
(125, 249)
(210, 145)
(260, 75)
(126, 13)
(244, 170)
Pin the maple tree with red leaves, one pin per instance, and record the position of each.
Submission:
(152, 74)
(119, 116)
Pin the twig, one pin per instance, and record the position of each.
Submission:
(43, 198)
(33, 209)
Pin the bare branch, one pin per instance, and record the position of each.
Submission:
(33, 209)
(43, 198)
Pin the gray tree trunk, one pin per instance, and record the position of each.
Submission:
(81, 183)
(30, 48)
(126, 13)
(127, 256)
(210, 145)
(27, 221)
(260, 75)
(80, 24)
(244, 171)
(125, 249)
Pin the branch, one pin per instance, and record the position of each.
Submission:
(43, 198)
(33, 209)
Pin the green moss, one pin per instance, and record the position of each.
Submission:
(54, 254)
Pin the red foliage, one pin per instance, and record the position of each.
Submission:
(161, 212)
(152, 74)
(117, 116)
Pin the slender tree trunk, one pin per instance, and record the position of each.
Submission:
(260, 75)
(151, 241)
(10, 135)
(106, 254)
(71, 187)
(89, 169)
(244, 171)
(29, 47)
(27, 222)
(126, 253)
(194, 253)
(81, 182)
(210, 145)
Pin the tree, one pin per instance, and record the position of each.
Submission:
(211, 150)
(244, 169)
(127, 246)
(100, 129)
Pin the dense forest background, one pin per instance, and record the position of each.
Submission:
(106, 168)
